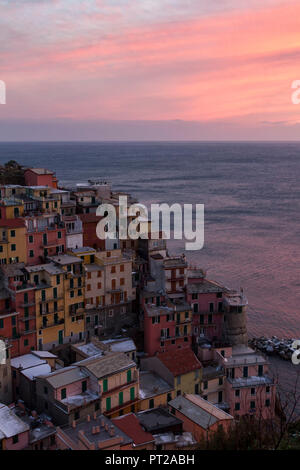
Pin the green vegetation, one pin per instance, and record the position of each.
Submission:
(12, 173)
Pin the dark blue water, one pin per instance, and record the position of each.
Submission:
(251, 194)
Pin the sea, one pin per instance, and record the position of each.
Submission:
(251, 195)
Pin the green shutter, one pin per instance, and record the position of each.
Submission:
(105, 385)
(120, 398)
(129, 375)
(132, 393)
(108, 404)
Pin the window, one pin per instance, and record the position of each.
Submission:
(12, 233)
(205, 384)
(13, 247)
(113, 269)
(237, 406)
(253, 391)
(84, 386)
(97, 406)
(132, 394)
(237, 393)
(30, 238)
(267, 402)
(151, 403)
(58, 234)
(122, 268)
(220, 307)
(209, 319)
(1, 324)
(220, 380)
(105, 385)
(201, 319)
(252, 405)
(58, 279)
(120, 398)
(129, 375)
(31, 254)
(108, 403)
(211, 307)
(260, 370)
(63, 393)
(268, 389)
(195, 308)
(26, 342)
(45, 390)
(122, 281)
(219, 295)
(43, 295)
(194, 296)
(76, 415)
(245, 371)
(15, 439)
(55, 292)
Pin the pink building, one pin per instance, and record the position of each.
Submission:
(45, 237)
(40, 177)
(14, 433)
(249, 387)
(167, 325)
(206, 299)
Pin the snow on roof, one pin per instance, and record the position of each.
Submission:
(36, 371)
(26, 361)
(10, 424)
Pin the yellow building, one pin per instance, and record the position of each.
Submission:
(118, 380)
(13, 248)
(50, 304)
(48, 198)
(11, 208)
(73, 287)
(179, 367)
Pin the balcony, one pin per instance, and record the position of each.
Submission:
(61, 321)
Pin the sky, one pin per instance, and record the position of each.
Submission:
(149, 69)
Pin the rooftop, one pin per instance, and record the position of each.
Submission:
(180, 361)
(103, 436)
(65, 259)
(198, 410)
(65, 376)
(40, 171)
(26, 361)
(10, 424)
(130, 425)
(104, 365)
(120, 344)
(157, 419)
(205, 286)
(152, 384)
(50, 268)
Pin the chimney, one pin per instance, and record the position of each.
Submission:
(73, 424)
(88, 418)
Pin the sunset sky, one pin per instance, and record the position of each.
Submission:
(157, 69)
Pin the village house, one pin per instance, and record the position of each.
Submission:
(199, 417)
(118, 380)
(68, 394)
(180, 368)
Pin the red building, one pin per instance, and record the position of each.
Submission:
(89, 224)
(44, 238)
(17, 314)
(206, 299)
(40, 177)
(167, 325)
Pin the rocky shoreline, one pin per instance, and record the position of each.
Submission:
(274, 346)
